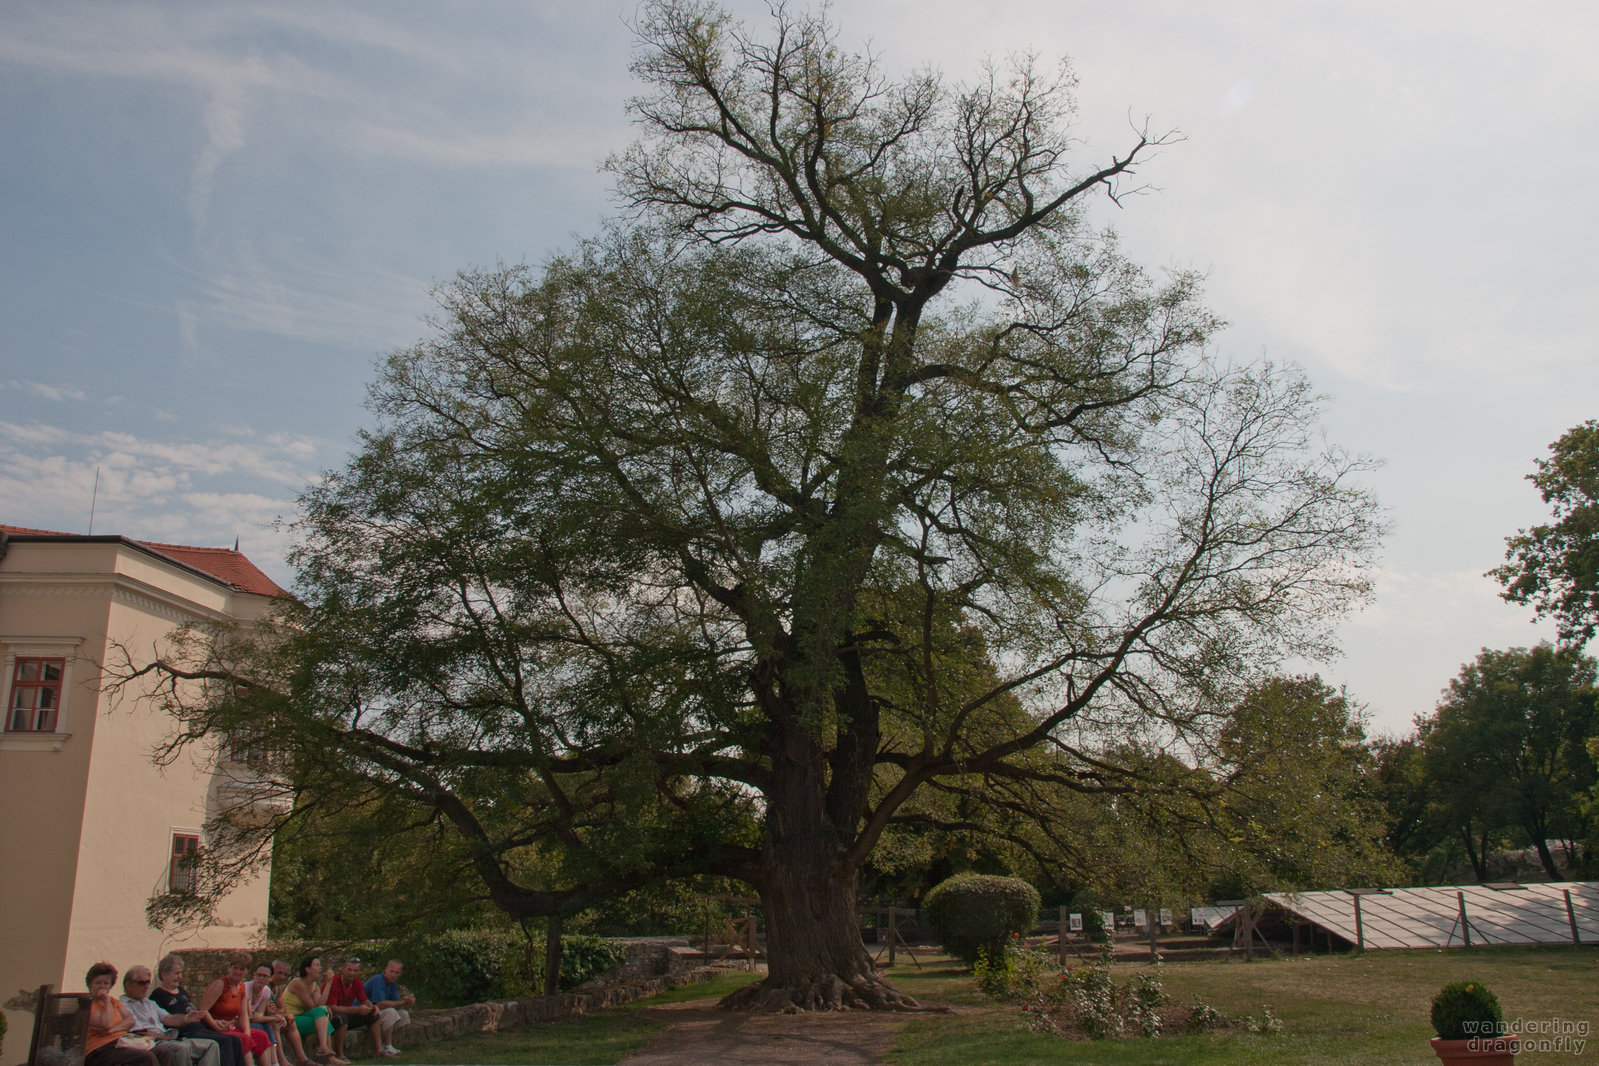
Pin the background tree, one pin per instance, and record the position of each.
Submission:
(1555, 567)
(1420, 831)
(1507, 748)
(1283, 799)
(1302, 804)
(625, 571)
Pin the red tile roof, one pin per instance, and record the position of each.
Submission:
(225, 565)
(13, 531)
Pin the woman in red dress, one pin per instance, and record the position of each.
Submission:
(224, 1001)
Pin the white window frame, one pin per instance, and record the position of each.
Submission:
(37, 647)
(173, 833)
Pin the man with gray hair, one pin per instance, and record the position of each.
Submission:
(150, 1020)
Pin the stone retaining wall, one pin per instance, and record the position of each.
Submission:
(432, 1026)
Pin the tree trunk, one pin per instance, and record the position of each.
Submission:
(1545, 857)
(816, 959)
(1479, 858)
(552, 956)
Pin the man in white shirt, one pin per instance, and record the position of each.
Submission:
(150, 1020)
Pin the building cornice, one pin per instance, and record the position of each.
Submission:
(119, 587)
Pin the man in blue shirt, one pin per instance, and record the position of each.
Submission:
(383, 989)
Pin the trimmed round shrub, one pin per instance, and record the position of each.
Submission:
(1466, 1009)
(976, 914)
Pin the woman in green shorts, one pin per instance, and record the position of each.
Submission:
(306, 1003)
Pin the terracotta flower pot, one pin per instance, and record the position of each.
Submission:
(1477, 1051)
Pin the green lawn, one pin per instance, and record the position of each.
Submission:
(1336, 1010)
(1370, 1008)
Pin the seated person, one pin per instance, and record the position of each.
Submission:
(174, 999)
(305, 1002)
(224, 1001)
(109, 1023)
(346, 998)
(154, 1022)
(267, 1015)
(383, 989)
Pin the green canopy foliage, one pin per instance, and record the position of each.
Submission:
(1507, 749)
(1555, 567)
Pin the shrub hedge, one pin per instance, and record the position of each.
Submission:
(459, 966)
(973, 914)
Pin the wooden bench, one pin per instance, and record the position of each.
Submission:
(60, 1028)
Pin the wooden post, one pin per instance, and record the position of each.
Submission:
(1571, 916)
(1245, 929)
(552, 956)
(893, 933)
(1152, 916)
(1465, 926)
(1064, 925)
(1360, 931)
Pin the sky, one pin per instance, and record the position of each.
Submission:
(216, 218)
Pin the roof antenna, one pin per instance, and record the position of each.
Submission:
(93, 497)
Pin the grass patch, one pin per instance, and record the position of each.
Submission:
(593, 1040)
(720, 986)
(1335, 1009)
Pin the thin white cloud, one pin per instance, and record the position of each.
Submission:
(1433, 601)
(1238, 95)
(219, 53)
(1402, 649)
(186, 492)
(188, 328)
(279, 288)
(224, 130)
(150, 43)
(167, 464)
(549, 145)
(45, 391)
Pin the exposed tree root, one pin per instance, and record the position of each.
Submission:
(819, 992)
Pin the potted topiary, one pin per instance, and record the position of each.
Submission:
(1470, 1026)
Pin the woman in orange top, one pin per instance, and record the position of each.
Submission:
(109, 1021)
(224, 1001)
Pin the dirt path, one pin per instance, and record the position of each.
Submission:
(700, 1034)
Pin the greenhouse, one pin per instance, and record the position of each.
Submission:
(1564, 912)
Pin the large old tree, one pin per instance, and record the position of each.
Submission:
(854, 467)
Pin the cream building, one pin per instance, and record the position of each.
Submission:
(93, 828)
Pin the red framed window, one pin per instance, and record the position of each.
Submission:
(185, 852)
(35, 695)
